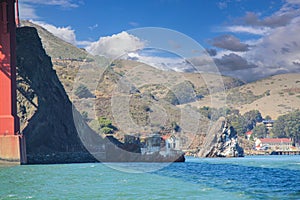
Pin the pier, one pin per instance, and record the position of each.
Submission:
(286, 152)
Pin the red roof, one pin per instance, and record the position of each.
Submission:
(249, 133)
(275, 140)
(165, 137)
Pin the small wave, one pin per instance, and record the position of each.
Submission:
(297, 163)
(206, 189)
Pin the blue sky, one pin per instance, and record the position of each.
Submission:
(199, 19)
(244, 37)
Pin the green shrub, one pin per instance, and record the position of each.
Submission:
(106, 130)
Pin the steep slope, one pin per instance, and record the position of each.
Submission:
(56, 47)
(45, 109)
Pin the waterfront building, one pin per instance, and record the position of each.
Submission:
(273, 144)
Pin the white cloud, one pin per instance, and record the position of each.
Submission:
(222, 5)
(163, 63)
(222, 53)
(277, 51)
(247, 29)
(62, 3)
(93, 27)
(115, 45)
(83, 43)
(28, 7)
(293, 1)
(133, 24)
(280, 48)
(27, 12)
(65, 33)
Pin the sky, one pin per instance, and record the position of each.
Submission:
(246, 39)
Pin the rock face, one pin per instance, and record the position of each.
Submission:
(224, 143)
(45, 110)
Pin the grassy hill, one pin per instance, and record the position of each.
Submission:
(55, 47)
(274, 96)
(280, 95)
(66, 58)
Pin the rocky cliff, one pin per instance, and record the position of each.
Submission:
(44, 107)
(222, 142)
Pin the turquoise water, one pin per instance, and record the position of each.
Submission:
(265, 177)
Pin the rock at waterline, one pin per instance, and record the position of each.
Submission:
(221, 142)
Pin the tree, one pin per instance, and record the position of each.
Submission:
(106, 130)
(215, 114)
(106, 126)
(251, 118)
(260, 131)
(278, 127)
(104, 122)
(238, 123)
(288, 126)
(268, 117)
(246, 122)
(211, 113)
(175, 126)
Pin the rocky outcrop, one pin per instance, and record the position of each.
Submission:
(223, 143)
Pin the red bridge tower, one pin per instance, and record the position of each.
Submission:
(12, 143)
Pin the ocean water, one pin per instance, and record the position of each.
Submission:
(256, 177)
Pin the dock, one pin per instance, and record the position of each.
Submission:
(285, 152)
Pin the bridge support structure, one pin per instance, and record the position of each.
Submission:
(12, 142)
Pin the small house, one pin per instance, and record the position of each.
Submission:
(248, 134)
(150, 144)
(268, 124)
(171, 144)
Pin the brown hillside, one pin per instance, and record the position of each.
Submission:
(273, 96)
(56, 47)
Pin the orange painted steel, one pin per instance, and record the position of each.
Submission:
(9, 121)
(12, 143)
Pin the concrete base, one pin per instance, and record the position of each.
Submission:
(13, 149)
